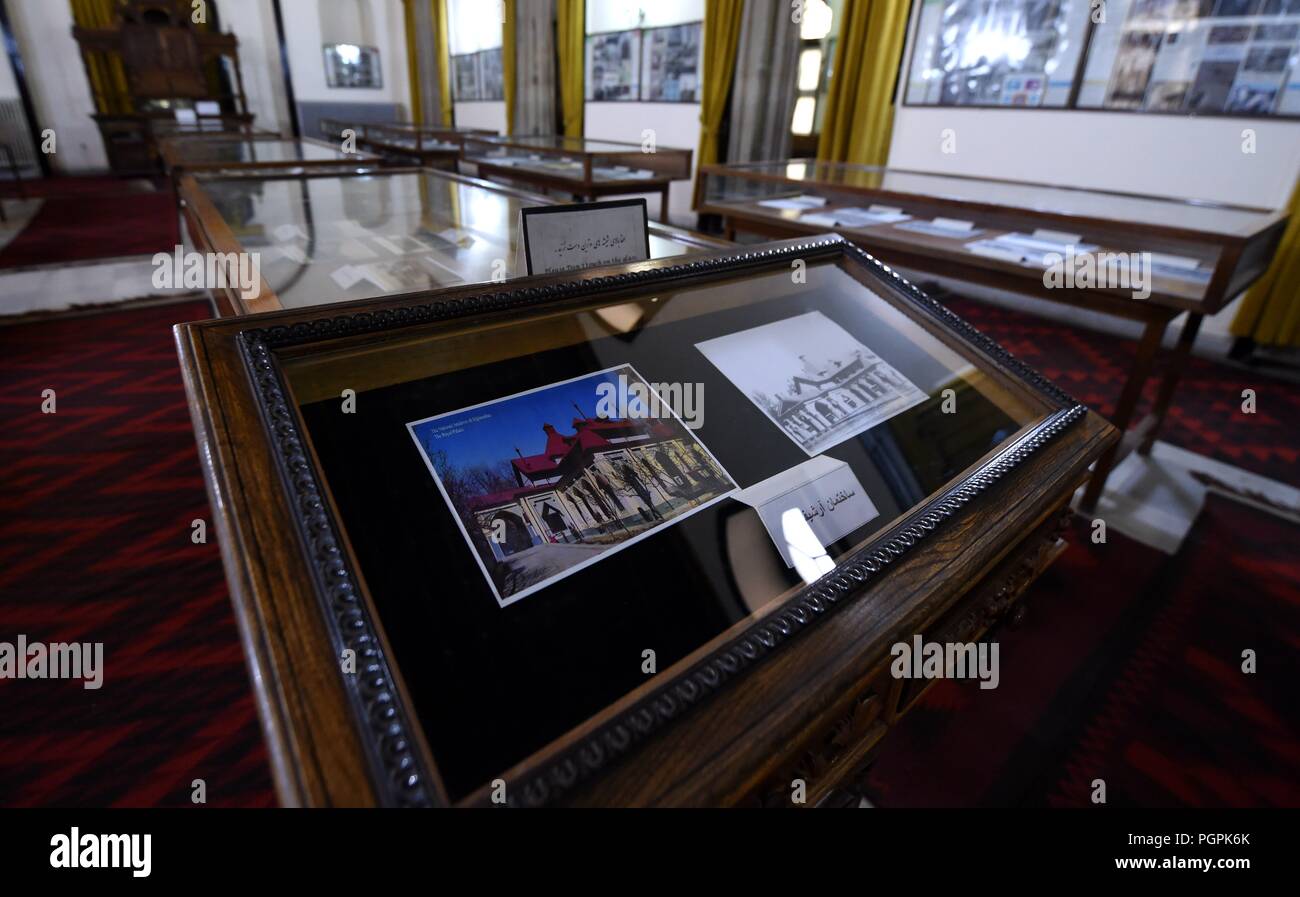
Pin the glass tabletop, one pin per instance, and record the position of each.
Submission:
(244, 151)
(535, 501)
(561, 143)
(1189, 214)
(328, 239)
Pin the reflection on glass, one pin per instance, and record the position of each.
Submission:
(333, 238)
(808, 553)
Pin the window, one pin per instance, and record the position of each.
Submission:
(817, 32)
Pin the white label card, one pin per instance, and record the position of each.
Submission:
(585, 235)
(827, 501)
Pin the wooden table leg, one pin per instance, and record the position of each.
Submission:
(663, 205)
(1173, 373)
(1148, 346)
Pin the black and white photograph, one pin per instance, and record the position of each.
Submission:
(547, 482)
(812, 379)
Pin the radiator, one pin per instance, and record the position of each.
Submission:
(13, 133)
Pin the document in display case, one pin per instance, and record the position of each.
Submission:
(583, 168)
(1145, 258)
(567, 526)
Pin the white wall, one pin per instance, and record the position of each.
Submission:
(1167, 155)
(385, 28)
(489, 114)
(58, 84)
(253, 24)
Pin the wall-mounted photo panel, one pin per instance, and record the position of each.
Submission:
(465, 78)
(492, 79)
(670, 64)
(613, 66)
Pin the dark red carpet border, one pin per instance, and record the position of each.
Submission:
(1125, 665)
(96, 505)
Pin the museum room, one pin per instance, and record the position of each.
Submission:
(393, 415)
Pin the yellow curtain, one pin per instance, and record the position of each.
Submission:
(413, 61)
(508, 63)
(860, 103)
(1270, 311)
(721, 37)
(104, 70)
(442, 52)
(571, 38)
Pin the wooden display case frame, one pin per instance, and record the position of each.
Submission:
(802, 687)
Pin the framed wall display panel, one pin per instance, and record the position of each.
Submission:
(466, 78)
(670, 64)
(613, 66)
(334, 238)
(492, 79)
(1183, 57)
(1144, 258)
(583, 168)
(996, 52)
(508, 522)
(349, 65)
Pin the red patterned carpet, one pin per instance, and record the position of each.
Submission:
(1206, 418)
(1127, 669)
(96, 502)
(1124, 670)
(93, 218)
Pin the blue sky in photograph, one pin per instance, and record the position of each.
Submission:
(513, 422)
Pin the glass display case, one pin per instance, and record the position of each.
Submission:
(881, 206)
(333, 238)
(580, 167)
(434, 147)
(564, 513)
(1144, 258)
(244, 153)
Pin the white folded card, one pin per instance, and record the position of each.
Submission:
(827, 498)
(584, 235)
